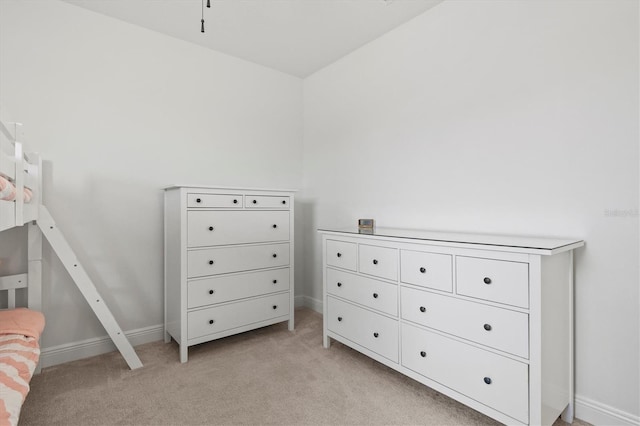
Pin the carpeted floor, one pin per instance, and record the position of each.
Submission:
(266, 376)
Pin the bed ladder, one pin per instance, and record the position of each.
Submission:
(59, 244)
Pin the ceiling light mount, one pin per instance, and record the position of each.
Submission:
(202, 18)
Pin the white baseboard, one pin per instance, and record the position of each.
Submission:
(101, 345)
(308, 302)
(600, 414)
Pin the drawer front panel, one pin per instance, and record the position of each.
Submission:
(365, 291)
(341, 254)
(233, 315)
(212, 228)
(375, 332)
(209, 291)
(498, 328)
(378, 261)
(467, 370)
(266, 202)
(429, 270)
(214, 200)
(236, 259)
(495, 280)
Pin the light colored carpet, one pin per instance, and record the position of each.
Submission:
(265, 376)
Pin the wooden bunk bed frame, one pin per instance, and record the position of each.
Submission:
(23, 172)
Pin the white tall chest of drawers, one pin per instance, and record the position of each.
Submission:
(228, 262)
(484, 319)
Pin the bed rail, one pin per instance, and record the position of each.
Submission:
(10, 284)
(21, 179)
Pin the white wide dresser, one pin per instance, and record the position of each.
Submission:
(484, 319)
(228, 262)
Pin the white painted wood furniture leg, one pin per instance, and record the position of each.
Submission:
(34, 271)
(34, 259)
(567, 414)
(184, 353)
(86, 287)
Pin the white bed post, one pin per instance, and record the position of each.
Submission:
(87, 288)
(34, 248)
(19, 181)
(34, 273)
(34, 239)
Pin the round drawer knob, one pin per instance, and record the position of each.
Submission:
(487, 327)
(255, 201)
(339, 284)
(275, 306)
(211, 228)
(375, 295)
(198, 200)
(235, 201)
(423, 270)
(423, 309)
(487, 380)
(339, 319)
(375, 335)
(423, 354)
(275, 226)
(275, 255)
(211, 262)
(211, 291)
(275, 281)
(339, 254)
(375, 262)
(487, 280)
(211, 321)
(284, 201)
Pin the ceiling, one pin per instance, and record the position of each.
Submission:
(297, 37)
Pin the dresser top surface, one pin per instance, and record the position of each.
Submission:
(526, 244)
(227, 188)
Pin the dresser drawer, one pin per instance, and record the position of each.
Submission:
(378, 261)
(429, 270)
(341, 254)
(209, 291)
(495, 280)
(212, 228)
(266, 202)
(236, 259)
(365, 291)
(214, 200)
(368, 329)
(226, 317)
(498, 382)
(498, 328)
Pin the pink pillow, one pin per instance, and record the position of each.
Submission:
(7, 190)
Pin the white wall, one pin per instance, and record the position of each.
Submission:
(118, 113)
(497, 116)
